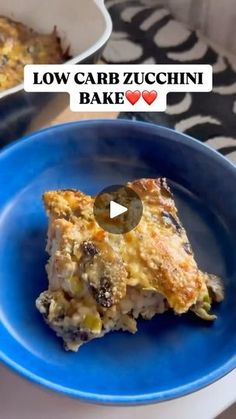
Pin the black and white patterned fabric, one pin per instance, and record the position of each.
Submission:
(144, 34)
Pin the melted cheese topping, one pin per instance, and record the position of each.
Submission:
(153, 255)
(100, 281)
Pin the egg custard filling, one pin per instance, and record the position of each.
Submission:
(100, 282)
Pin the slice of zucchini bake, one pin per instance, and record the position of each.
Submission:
(99, 282)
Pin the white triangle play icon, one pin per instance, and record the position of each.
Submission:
(116, 209)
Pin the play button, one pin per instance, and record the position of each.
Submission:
(118, 209)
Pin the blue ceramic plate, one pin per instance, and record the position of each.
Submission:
(169, 356)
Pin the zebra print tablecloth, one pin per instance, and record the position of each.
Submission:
(145, 34)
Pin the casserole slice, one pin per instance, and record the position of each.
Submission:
(99, 282)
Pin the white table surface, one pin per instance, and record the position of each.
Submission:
(19, 399)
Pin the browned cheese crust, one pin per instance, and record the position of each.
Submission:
(156, 255)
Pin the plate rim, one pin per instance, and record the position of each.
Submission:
(172, 134)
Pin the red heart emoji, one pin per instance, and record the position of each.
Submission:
(133, 97)
(149, 97)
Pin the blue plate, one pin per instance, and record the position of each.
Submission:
(169, 356)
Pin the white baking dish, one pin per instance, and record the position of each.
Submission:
(83, 25)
